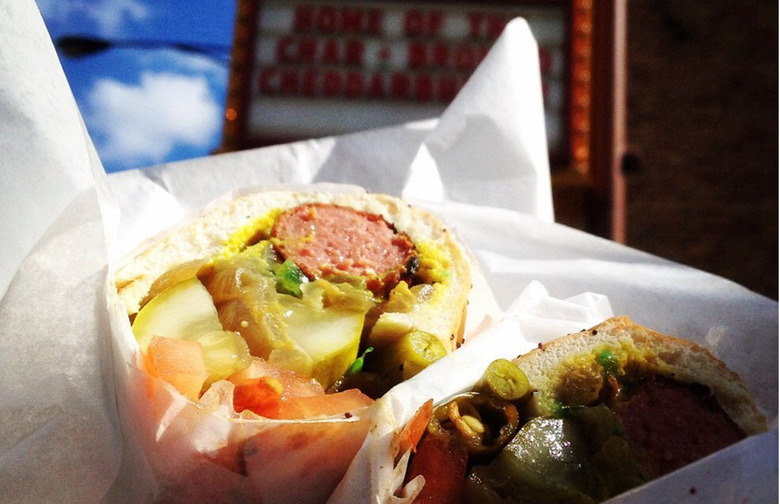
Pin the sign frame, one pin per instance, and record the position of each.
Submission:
(587, 183)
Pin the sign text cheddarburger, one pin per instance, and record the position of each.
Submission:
(392, 62)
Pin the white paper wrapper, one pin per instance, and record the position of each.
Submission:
(59, 432)
(183, 452)
(61, 438)
(534, 318)
(177, 451)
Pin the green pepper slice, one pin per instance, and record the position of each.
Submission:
(504, 380)
(484, 423)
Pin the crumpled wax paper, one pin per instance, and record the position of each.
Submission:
(61, 439)
(534, 317)
(59, 432)
(421, 167)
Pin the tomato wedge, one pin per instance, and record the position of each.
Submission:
(412, 432)
(275, 392)
(442, 462)
(261, 395)
(292, 383)
(340, 403)
(178, 362)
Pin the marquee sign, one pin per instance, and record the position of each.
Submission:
(308, 68)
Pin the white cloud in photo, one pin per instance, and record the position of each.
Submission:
(137, 124)
(108, 16)
(213, 67)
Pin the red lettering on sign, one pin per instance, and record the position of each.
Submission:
(441, 55)
(331, 84)
(307, 50)
(475, 23)
(413, 23)
(436, 22)
(328, 19)
(325, 19)
(309, 85)
(353, 53)
(267, 81)
(354, 85)
(374, 21)
(417, 55)
(377, 86)
(330, 53)
(422, 23)
(495, 26)
(423, 88)
(399, 86)
(479, 55)
(485, 25)
(289, 84)
(310, 50)
(351, 20)
(448, 88)
(283, 50)
(464, 58)
(304, 18)
(327, 55)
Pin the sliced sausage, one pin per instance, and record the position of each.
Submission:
(334, 242)
(671, 424)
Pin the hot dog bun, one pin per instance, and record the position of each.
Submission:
(611, 408)
(570, 369)
(230, 221)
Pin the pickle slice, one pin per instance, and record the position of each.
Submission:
(224, 353)
(184, 311)
(313, 328)
(329, 337)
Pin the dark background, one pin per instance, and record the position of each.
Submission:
(702, 122)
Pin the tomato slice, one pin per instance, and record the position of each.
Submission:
(178, 362)
(261, 395)
(412, 432)
(340, 403)
(275, 392)
(294, 384)
(442, 462)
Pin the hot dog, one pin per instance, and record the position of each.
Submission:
(595, 414)
(256, 307)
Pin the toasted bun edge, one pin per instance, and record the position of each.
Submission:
(206, 233)
(683, 360)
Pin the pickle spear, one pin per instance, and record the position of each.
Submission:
(184, 311)
(330, 337)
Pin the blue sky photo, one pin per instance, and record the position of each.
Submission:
(143, 101)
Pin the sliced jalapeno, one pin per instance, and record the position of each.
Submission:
(504, 380)
(483, 422)
(408, 355)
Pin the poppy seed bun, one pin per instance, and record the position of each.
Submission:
(572, 360)
(211, 231)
